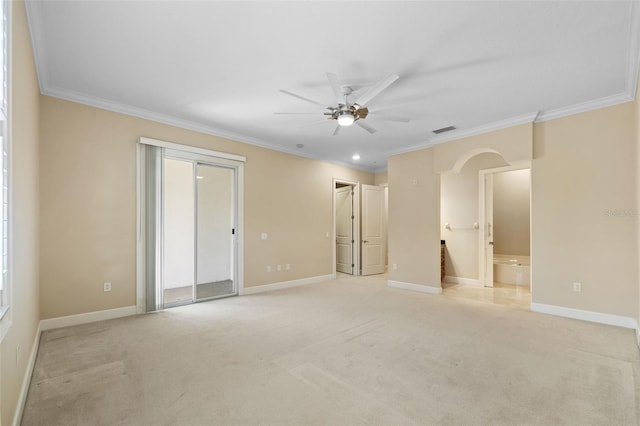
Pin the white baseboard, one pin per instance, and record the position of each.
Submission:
(414, 287)
(286, 284)
(561, 311)
(51, 323)
(460, 280)
(26, 381)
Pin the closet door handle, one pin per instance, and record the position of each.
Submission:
(365, 241)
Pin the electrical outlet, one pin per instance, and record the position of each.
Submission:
(287, 266)
(107, 286)
(268, 268)
(395, 266)
(577, 287)
(279, 267)
(263, 236)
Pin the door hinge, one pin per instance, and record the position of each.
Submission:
(353, 217)
(353, 241)
(352, 265)
(233, 231)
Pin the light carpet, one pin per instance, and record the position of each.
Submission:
(350, 351)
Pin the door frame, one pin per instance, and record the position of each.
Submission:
(197, 159)
(356, 224)
(221, 158)
(482, 202)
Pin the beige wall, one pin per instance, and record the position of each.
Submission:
(636, 136)
(88, 186)
(381, 178)
(459, 207)
(511, 212)
(581, 176)
(514, 144)
(414, 219)
(25, 96)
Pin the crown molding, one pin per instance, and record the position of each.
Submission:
(33, 22)
(634, 49)
(607, 101)
(460, 134)
(485, 128)
(144, 114)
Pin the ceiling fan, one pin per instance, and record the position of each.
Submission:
(348, 112)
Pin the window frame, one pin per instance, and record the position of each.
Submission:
(5, 171)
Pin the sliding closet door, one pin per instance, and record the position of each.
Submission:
(178, 230)
(189, 212)
(215, 229)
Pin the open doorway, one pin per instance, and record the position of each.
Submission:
(505, 241)
(484, 206)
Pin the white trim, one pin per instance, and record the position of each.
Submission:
(191, 149)
(239, 235)
(286, 284)
(6, 321)
(638, 336)
(607, 101)
(414, 287)
(67, 321)
(634, 49)
(26, 381)
(140, 243)
(599, 317)
(461, 280)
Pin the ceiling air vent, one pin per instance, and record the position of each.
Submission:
(444, 129)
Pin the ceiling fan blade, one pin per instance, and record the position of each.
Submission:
(286, 92)
(335, 85)
(395, 118)
(364, 99)
(313, 123)
(337, 130)
(365, 126)
(296, 113)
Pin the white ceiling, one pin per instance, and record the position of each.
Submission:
(218, 67)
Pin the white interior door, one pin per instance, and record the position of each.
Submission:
(344, 229)
(488, 230)
(373, 238)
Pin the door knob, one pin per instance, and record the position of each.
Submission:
(365, 241)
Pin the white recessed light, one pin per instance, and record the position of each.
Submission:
(356, 157)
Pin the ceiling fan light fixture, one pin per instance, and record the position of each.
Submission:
(345, 118)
